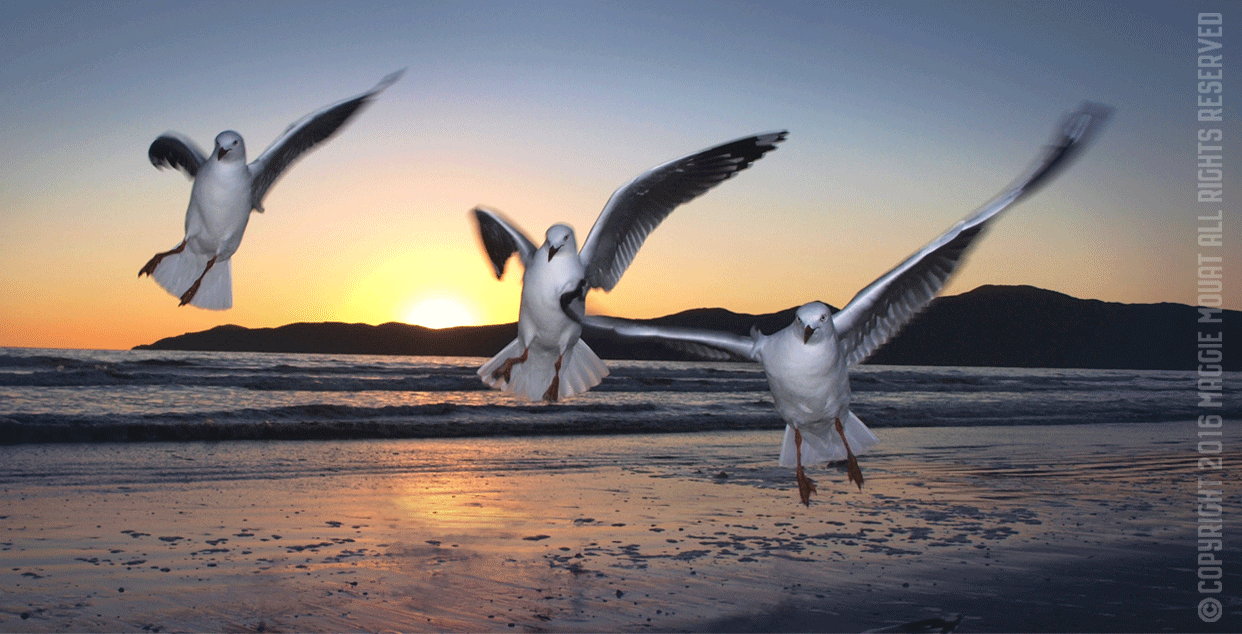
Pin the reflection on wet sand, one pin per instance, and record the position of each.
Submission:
(619, 533)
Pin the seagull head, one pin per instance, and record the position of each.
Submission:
(560, 237)
(229, 145)
(815, 319)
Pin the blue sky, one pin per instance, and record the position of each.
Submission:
(903, 117)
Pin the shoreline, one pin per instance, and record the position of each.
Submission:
(692, 532)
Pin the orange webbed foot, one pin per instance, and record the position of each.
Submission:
(155, 260)
(854, 471)
(507, 367)
(149, 269)
(188, 296)
(554, 389)
(806, 487)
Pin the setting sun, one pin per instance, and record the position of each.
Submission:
(438, 312)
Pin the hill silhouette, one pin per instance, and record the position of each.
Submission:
(991, 326)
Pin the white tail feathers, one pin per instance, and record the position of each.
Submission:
(581, 370)
(177, 272)
(821, 443)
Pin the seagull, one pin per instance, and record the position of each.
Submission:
(225, 190)
(547, 361)
(807, 363)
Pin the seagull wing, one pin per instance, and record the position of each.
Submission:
(709, 344)
(637, 207)
(501, 238)
(176, 151)
(881, 309)
(304, 134)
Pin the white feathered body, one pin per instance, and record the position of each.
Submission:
(226, 188)
(219, 210)
(546, 334)
(635, 209)
(810, 387)
(215, 221)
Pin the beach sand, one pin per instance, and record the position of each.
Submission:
(1074, 528)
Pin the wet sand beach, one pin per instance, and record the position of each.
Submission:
(1067, 528)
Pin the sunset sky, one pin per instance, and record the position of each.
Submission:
(902, 118)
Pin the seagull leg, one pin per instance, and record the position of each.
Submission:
(189, 295)
(149, 269)
(554, 389)
(504, 370)
(855, 472)
(805, 485)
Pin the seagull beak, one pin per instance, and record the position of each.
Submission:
(552, 251)
(220, 154)
(806, 334)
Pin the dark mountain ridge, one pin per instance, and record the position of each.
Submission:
(991, 326)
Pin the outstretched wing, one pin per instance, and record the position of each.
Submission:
(304, 134)
(709, 344)
(501, 238)
(175, 151)
(640, 205)
(881, 309)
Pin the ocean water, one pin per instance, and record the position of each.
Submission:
(112, 396)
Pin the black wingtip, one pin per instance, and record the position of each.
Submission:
(747, 150)
(388, 80)
(772, 138)
(766, 142)
(153, 152)
(170, 151)
(1083, 124)
(496, 243)
(572, 299)
(1076, 132)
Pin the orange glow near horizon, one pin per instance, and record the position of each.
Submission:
(898, 128)
(439, 312)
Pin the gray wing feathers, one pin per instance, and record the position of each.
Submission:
(176, 151)
(710, 344)
(304, 134)
(702, 351)
(881, 309)
(638, 207)
(501, 238)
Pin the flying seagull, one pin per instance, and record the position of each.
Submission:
(807, 363)
(225, 190)
(547, 361)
